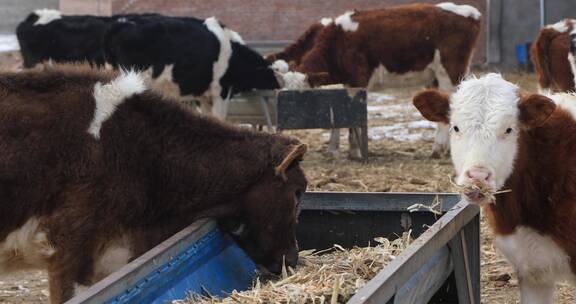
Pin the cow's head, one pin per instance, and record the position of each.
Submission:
(270, 211)
(486, 116)
(249, 70)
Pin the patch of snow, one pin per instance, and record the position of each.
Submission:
(379, 97)
(411, 131)
(392, 111)
(9, 43)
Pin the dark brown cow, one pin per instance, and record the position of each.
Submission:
(409, 38)
(95, 170)
(501, 140)
(553, 56)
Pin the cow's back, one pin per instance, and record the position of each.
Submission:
(144, 42)
(44, 117)
(405, 37)
(66, 40)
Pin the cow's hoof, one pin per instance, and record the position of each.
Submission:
(436, 155)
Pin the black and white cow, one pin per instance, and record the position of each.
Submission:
(47, 35)
(198, 59)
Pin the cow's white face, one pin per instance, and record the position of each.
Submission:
(484, 126)
(485, 116)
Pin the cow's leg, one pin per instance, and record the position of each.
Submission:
(205, 105)
(334, 143)
(61, 284)
(354, 142)
(220, 109)
(445, 84)
(361, 74)
(536, 293)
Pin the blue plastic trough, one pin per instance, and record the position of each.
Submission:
(441, 266)
(199, 259)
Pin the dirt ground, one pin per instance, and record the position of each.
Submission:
(400, 144)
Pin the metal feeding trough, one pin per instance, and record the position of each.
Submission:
(305, 109)
(441, 266)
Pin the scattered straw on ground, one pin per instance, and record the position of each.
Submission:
(328, 276)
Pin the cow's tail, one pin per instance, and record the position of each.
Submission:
(539, 53)
(296, 50)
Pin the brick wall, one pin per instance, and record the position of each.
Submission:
(268, 19)
(85, 7)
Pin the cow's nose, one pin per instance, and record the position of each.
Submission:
(292, 257)
(478, 174)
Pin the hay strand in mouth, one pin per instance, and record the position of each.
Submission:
(482, 189)
(321, 277)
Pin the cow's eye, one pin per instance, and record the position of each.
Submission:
(509, 130)
(456, 129)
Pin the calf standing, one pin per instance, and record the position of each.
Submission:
(527, 144)
(95, 170)
(398, 40)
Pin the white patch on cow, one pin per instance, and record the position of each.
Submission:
(25, 247)
(572, 62)
(234, 36)
(346, 22)
(462, 10)
(109, 96)
(566, 101)
(560, 26)
(535, 256)
(482, 109)
(280, 66)
(326, 21)
(164, 83)
(114, 256)
(46, 16)
(295, 81)
(221, 65)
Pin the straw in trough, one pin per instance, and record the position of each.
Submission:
(328, 276)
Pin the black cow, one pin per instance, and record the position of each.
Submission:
(203, 59)
(47, 35)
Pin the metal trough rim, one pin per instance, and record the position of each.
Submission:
(390, 279)
(375, 201)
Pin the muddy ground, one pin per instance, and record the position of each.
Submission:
(400, 144)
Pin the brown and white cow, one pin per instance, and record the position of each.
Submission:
(95, 170)
(438, 40)
(502, 140)
(553, 56)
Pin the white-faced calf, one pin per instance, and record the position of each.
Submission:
(502, 140)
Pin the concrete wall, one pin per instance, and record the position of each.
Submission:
(513, 22)
(14, 11)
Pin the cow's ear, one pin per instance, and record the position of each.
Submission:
(433, 105)
(535, 110)
(292, 155)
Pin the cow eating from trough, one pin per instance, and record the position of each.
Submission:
(95, 170)
(190, 58)
(501, 140)
(435, 40)
(553, 54)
